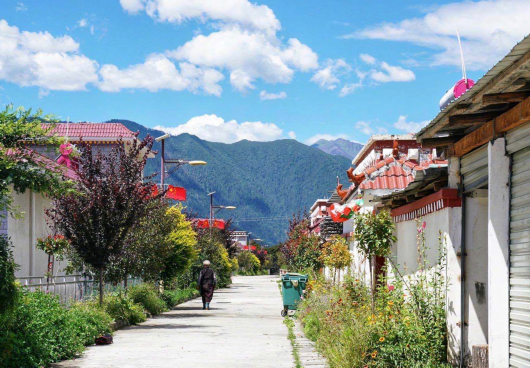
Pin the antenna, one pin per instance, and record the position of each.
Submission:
(464, 75)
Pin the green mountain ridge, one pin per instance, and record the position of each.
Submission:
(266, 181)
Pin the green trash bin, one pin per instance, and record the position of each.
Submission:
(293, 286)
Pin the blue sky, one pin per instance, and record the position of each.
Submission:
(235, 69)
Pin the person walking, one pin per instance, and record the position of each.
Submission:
(206, 284)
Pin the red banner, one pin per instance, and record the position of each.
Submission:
(176, 193)
(203, 224)
(154, 190)
(220, 224)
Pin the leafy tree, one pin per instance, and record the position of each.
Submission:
(146, 249)
(248, 262)
(114, 198)
(302, 250)
(183, 245)
(21, 167)
(261, 255)
(8, 288)
(374, 234)
(336, 255)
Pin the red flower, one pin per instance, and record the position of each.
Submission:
(391, 287)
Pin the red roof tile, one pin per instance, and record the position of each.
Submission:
(394, 178)
(91, 130)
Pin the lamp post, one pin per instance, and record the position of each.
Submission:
(177, 163)
(216, 207)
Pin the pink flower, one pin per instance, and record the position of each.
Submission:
(424, 225)
(391, 287)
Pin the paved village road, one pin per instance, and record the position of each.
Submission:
(243, 329)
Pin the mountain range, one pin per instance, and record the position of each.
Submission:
(339, 147)
(266, 181)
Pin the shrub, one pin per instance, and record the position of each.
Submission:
(37, 332)
(89, 321)
(248, 262)
(8, 288)
(147, 296)
(406, 329)
(122, 308)
(174, 297)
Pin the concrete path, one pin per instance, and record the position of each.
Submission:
(243, 329)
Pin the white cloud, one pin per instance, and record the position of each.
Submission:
(215, 129)
(252, 53)
(241, 80)
(158, 73)
(328, 77)
(42, 60)
(488, 28)
(389, 73)
(240, 12)
(132, 6)
(244, 43)
(292, 135)
(328, 137)
(409, 127)
(368, 128)
(82, 23)
(21, 7)
(368, 59)
(264, 95)
(349, 88)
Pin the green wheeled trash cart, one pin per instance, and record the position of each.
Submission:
(293, 286)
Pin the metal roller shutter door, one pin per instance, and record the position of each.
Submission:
(474, 169)
(518, 143)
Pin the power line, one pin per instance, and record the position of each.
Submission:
(262, 219)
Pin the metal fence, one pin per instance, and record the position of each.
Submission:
(71, 287)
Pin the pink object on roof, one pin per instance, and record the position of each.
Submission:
(91, 130)
(54, 166)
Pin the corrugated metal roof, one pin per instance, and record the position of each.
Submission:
(91, 130)
(519, 50)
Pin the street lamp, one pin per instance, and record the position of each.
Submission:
(248, 240)
(217, 207)
(177, 163)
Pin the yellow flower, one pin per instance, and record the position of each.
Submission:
(381, 339)
(391, 303)
(374, 354)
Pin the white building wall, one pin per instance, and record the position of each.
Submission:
(24, 233)
(405, 255)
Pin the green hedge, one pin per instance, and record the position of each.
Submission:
(174, 297)
(122, 308)
(147, 296)
(39, 331)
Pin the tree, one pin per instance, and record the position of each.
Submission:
(113, 199)
(183, 245)
(248, 262)
(8, 287)
(261, 255)
(20, 167)
(336, 255)
(146, 248)
(374, 234)
(302, 250)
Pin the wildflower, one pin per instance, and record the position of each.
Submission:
(391, 287)
(363, 355)
(390, 303)
(374, 354)
(381, 339)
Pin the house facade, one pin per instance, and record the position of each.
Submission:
(25, 231)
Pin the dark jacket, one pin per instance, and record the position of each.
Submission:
(207, 276)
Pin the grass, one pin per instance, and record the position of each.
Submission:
(292, 338)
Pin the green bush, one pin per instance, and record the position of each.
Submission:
(38, 331)
(174, 297)
(122, 308)
(248, 262)
(89, 321)
(8, 288)
(147, 296)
